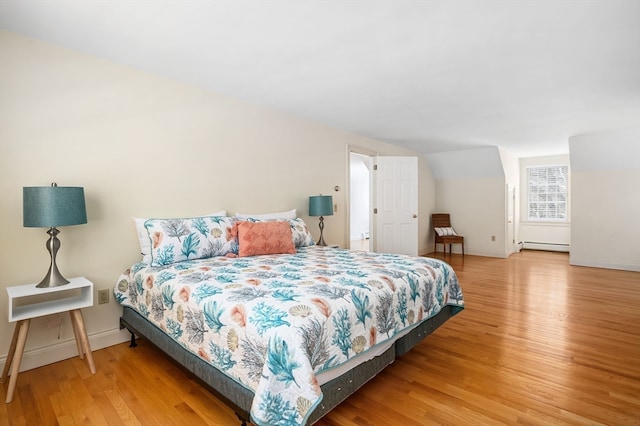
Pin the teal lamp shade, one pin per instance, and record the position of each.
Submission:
(321, 205)
(50, 207)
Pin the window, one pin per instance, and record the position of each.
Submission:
(547, 193)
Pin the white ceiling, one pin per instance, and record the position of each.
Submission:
(432, 75)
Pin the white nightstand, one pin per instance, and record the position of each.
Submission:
(28, 301)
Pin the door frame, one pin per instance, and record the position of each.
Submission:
(511, 207)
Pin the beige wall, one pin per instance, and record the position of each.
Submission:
(471, 187)
(607, 234)
(142, 145)
(605, 201)
(477, 209)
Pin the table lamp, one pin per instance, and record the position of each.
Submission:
(50, 207)
(321, 205)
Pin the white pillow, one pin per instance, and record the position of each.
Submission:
(445, 232)
(291, 214)
(145, 241)
(200, 237)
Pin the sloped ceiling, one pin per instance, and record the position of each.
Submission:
(433, 76)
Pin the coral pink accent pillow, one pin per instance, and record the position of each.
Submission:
(255, 238)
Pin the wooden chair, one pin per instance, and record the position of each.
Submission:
(442, 220)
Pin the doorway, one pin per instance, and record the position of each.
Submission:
(394, 187)
(360, 166)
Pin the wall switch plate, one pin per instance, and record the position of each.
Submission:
(103, 296)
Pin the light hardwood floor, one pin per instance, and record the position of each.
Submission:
(539, 342)
(362, 245)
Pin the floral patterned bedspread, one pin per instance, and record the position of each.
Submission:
(274, 322)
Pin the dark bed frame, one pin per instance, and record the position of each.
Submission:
(239, 398)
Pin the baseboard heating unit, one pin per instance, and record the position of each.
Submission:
(533, 245)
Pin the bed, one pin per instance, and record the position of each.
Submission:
(281, 329)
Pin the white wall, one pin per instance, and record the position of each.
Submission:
(142, 145)
(605, 203)
(556, 233)
(360, 195)
(468, 163)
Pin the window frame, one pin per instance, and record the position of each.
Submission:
(528, 200)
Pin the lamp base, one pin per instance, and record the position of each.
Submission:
(53, 278)
(321, 241)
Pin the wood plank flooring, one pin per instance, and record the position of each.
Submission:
(539, 342)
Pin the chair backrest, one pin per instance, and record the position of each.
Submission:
(440, 220)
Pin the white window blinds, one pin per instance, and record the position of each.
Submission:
(547, 193)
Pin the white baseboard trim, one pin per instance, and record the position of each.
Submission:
(499, 255)
(545, 246)
(45, 355)
(598, 263)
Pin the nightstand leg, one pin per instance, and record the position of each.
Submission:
(12, 350)
(77, 336)
(81, 332)
(16, 358)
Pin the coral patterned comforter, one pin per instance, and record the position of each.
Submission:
(274, 322)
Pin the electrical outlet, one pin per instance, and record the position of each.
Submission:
(103, 296)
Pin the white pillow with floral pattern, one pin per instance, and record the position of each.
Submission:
(143, 236)
(301, 235)
(179, 239)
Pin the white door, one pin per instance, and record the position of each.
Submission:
(396, 205)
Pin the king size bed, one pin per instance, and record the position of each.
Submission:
(281, 332)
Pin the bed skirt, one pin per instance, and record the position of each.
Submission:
(240, 398)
